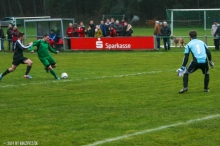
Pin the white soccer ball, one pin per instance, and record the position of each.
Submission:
(64, 75)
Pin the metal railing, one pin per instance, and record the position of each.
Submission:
(207, 39)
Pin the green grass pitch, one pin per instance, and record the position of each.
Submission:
(108, 95)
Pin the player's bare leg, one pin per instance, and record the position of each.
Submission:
(53, 66)
(13, 67)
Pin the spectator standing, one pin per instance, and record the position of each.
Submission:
(217, 34)
(2, 37)
(70, 33)
(75, 26)
(98, 32)
(107, 26)
(89, 32)
(112, 22)
(124, 29)
(14, 34)
(157, 33)
(52, 38)
(81, 30)
(166, 32)
(9, 30)
(123, 23)
(129, 30)
(92, 26)
(103, 28)
(113, 32)
(216, 37)
(118, 28)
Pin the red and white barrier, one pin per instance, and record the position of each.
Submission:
(115, 43)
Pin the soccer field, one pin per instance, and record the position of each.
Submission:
(110, 98)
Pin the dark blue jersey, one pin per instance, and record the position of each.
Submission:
(19, 47)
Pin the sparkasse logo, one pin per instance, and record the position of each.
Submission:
(99, 44)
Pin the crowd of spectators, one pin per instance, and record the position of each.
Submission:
(110, 28)
(11, 35)
(162, 30)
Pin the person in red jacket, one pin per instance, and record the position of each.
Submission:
(14, 34)
(113, 32)
(70, 33)
(81, 30)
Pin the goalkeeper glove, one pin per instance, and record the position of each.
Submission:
(181, 71)
(211, 64)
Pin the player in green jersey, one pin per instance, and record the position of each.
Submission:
(43, 48)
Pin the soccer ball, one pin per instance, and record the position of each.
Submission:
(64, 75)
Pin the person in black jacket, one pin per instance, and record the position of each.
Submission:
(118, 28)
(166, 32)
(124, 30)
(107, 27)
(92, 26)
(19, 58)
(129, 30)
(89, 32)
(2, 37)
(9, 36)
(112, 24)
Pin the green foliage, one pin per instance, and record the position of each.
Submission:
(87, 9)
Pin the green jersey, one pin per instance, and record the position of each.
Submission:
(43, 48)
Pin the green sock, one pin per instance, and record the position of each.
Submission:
(53, 73)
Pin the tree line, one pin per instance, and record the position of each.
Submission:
(84, 10)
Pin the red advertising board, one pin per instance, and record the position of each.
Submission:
(116, 43)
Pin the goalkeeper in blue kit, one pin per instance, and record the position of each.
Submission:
(201, 60)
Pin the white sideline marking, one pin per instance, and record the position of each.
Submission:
(102, 77)
(154, 129)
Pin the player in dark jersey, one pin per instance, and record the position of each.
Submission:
(201, 60)
(19, 58)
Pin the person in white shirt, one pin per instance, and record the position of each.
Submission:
(216, 38)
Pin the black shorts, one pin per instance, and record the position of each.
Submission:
(193, 66)
(16, 62)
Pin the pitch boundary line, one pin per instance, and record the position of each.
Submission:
(101, 77)
(153, 129)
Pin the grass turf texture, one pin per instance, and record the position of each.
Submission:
(108, 94)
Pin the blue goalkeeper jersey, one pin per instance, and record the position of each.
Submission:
(198, 49)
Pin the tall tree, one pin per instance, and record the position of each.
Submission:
(3, 8)
(20, 7)
(89, 9)
(35, 13)
(9, 6)
(44, 7)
